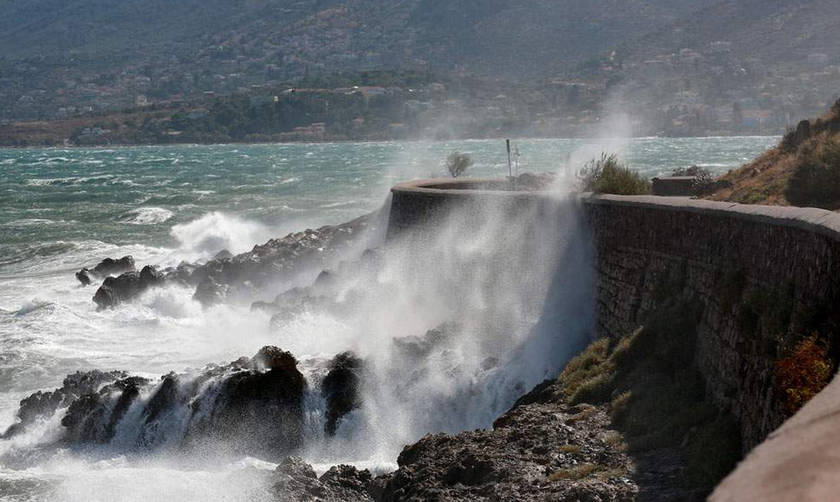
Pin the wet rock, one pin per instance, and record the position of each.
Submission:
(545, 450)
(124, 287)
(224, 254)
(110, 266)
(42, 405)
(296, 480)
(340, 389)
(418, 347)
(209, 292)
(163, 399)
(85, 276)
(257, 411)
(325, 281)
(270, 358)
(106, 268)
(252, 406)
(345, 482)
(93, 417)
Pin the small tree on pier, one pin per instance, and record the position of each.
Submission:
(457, 163)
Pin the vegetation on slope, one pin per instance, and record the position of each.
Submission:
(803, 170)
(656, 395)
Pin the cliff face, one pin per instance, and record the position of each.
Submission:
(765, 277)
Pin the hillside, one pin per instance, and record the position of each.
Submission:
(803, 170)
(708, 67)
(774, 31)
(481, 35)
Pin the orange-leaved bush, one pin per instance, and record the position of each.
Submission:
(803, 373)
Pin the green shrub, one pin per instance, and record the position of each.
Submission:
(656, 395)
(816, 179)
(608, 175)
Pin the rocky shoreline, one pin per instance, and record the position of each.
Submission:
(546, 447)
(227, 277)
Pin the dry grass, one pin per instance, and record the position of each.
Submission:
(576, 472)
(786, 175)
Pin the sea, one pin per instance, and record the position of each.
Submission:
(62, 209)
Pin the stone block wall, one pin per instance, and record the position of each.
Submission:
(764, 275)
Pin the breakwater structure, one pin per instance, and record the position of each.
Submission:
(765, 277)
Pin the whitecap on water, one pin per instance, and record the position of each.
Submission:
(147, 216)
(216, 231)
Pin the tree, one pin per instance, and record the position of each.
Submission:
(457, 163)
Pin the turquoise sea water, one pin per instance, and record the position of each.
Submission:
(62, 209)
(53, 199)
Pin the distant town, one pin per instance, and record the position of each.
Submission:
(690, 92)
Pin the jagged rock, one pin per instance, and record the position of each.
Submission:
(257, 411)
(296, 480)
(345, 482)
(44, 404)
(110, 266)
(106, 268)
(225, 274)
(325, 281)
(163, 399)
(544, 450)
(252, 405)
(224, 254)
(209, 292)
(85, 276)
(116, 290)
(340, 388)
(270, 358)
(418, 347)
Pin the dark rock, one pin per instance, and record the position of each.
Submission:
(115, 290)
(340, 388)
(325, 281)
(209, 292)
(295, 480)
(259, 412)
(270, 357)
(224, 254)
(163, 399)
(110, 266)
(183, 273)
(93, 417)
(545, 451)
(106, 268)
(251, 406)
(345, 482)
(44, 404)
(84, 276)
(418, 347)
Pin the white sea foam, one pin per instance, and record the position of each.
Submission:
(147, 216)
(216, 231)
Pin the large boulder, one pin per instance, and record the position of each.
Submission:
(42, 405)
(258, 408)
(124, 287)
(340, 389)
(296, 480)
(106, 268)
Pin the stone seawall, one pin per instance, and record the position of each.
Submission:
(766, 276)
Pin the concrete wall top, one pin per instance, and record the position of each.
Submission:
(806, 218)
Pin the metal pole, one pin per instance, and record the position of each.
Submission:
(510, 169)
